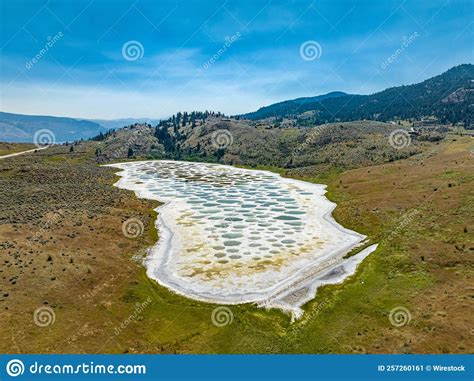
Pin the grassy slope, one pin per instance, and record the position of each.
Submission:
(418, 209)
(8, 148)
(347, 318)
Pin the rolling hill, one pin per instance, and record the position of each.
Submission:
(282, 108)
(342, 145)
(119, 123)
(448, 97)
(22, 128)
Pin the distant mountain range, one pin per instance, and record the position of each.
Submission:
(448, 96)
(119, 123)
(22, 128)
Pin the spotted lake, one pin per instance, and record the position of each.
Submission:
(230, 235)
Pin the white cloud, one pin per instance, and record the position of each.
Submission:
(106, 103)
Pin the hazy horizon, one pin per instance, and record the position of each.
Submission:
(90, 60)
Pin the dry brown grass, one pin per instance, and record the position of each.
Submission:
(74, 259)
(424, 264)
(8, 148)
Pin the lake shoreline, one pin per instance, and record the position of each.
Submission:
(288, 294)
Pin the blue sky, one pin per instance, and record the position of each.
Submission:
(70, 58)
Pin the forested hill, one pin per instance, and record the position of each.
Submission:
(288, 107)
(448, 96)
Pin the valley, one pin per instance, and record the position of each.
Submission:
(417, 207)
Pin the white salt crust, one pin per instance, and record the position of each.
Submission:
(230, 235)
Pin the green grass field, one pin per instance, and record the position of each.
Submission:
(418, 209)
(8, 148)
